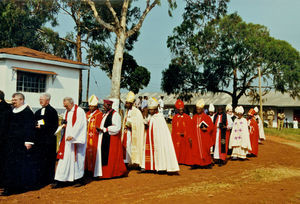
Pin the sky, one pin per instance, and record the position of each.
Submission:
(281, 17)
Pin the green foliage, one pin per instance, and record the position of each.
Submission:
(20, 21)
(224, 55)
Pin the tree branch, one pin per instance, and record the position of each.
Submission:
(223, 91)
(65, 10)
(99, 20)
(124, 14)
(64, 39)
(113, 12)
(140, 23)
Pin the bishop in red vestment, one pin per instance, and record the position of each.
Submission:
(181, 132)
(93, 148)
(201, 137)
(254, 132)
(111, 147)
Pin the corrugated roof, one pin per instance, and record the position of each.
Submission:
(27, 52)
(271, 99)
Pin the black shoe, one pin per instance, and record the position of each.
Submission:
(6, 193)
(80, 182)
(57, 184)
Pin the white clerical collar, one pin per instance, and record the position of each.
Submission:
(19, 109)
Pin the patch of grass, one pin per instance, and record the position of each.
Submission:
(286, 133)
(194, 188)
(270, 174)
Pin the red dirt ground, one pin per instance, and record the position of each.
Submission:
(272, 177)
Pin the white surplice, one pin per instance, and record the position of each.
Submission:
(114, 129)
(164, 152)
(71, 167)
(261, 128)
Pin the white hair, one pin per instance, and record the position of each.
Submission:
(46, 95)
(69, 99)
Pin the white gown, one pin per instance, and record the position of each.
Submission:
(164, 152)
(261, 128)
(70, 168)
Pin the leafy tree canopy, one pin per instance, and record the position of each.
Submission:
(20, 21)
(223, 56)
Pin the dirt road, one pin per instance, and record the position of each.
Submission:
(272, 177)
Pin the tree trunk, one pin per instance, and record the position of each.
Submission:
(235, 101)
(117, 67)
(79, 59)
(88, 85)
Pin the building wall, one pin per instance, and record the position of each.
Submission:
(2, 75)
(66, 82)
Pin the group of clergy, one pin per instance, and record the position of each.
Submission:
(102, 145)
(139, 142)
(207, 139)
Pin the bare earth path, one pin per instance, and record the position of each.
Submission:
(273, 177)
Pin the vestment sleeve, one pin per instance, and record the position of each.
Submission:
(79, 129)
(115, 128)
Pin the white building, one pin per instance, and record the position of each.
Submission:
(32, 72)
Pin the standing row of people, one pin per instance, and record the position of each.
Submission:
(206, 139)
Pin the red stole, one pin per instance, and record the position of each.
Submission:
(148, 154)
(61, 150)
(124, 142)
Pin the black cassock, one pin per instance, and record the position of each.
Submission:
(5, 112)
(46, 143)
(20, 164)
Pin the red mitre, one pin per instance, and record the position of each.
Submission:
(109, 102)
(251, 112)
(179, 104)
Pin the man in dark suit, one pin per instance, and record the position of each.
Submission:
(46, 124)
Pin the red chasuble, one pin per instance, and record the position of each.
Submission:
(181, 132)
(201, 140)
(94, 122)
(254, 136)
(115, 165)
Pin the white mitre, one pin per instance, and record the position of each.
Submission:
(256, 109)
(211, 108)
(93, 100)
(200, 103)
(130, 97)
(152, 103)
(239, 109)
(228, 107)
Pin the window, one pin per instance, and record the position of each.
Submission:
(31, 82)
